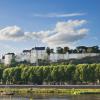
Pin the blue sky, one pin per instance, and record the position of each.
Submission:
(28, 23)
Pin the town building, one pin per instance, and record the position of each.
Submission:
(8, 58)
(38, 53)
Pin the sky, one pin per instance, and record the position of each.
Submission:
(28, 23)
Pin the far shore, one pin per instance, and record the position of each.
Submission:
(62, 89)
(53, 86)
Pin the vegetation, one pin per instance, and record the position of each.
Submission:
(79, 49)
(72, 91)
(58, 74)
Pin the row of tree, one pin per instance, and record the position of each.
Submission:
(79, 49)
(59, 74)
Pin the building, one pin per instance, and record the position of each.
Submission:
(8, 58)
(26, 55)
(32, 56)
(38, 53)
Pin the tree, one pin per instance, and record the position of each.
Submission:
(91, 73)
(59, 50)
(25, 74)
(33, 76)
(66, 49)
(48, 51)
(1, 72)
(7, 75)
(97, 73)
(95, 49)
(81, 49)
(16, 75)
(52, 50)
(81, 73)
(69, 73)
(55, 75)
(89, 50)
(39, 75)
(71, 51)
(46, 74)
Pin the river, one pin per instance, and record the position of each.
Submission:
(52, 97)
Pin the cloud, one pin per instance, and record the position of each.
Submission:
(64, 33)
(52, 15)
(5, 48)
(11, 33)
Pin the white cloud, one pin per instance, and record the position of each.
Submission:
(5, 48)
(11, 33)
(64, 33)
(51, 15)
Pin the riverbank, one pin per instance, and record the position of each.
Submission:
(49, 90)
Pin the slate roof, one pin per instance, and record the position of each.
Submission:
(10, 54)
(24, 51)
(38, 48)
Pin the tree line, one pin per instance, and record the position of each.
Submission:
(79, 49)
(58, 74)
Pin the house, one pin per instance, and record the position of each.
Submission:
(38, 53)
(8, 58)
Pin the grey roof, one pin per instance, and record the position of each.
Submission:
(26, 51)
(10, 54)
(38, 48)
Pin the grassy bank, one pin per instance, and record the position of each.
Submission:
(50, 90)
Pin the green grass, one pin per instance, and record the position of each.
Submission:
(50, 90)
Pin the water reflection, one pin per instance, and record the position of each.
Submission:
(13, 98)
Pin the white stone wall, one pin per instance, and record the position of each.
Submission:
(23, 57)
(54, 57)
(41, 54)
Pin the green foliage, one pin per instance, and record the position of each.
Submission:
(81, 72)
(59, 50)
(55, 74)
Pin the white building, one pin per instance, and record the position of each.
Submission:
(38, 53)
(8, 58)
(32, 56)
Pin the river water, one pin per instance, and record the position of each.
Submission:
(52, 97)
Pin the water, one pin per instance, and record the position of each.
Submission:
(52, 97)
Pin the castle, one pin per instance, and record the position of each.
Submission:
(36, 54)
